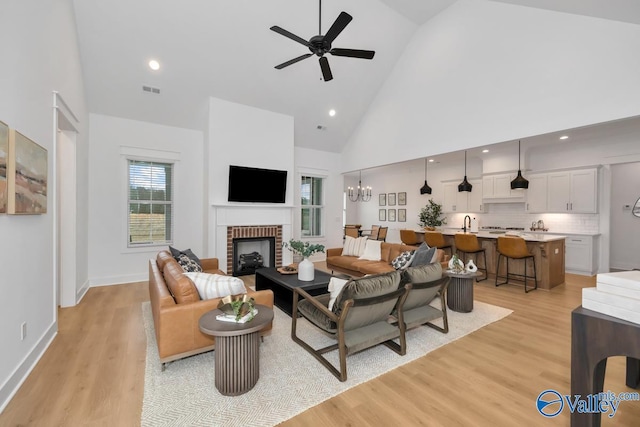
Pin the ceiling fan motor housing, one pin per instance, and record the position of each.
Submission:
(319, 45)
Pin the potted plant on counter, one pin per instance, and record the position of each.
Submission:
(306, 271)
(431, 216)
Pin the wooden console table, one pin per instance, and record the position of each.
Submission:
(594, 338)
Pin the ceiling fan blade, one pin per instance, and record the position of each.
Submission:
(353, 53)
(292, 36)
(341, 21)
(293, 61)
(326, 70)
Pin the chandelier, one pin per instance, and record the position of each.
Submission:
(360, 194)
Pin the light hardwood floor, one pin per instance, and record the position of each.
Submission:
(93, 373)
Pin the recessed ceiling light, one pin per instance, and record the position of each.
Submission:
(332, 113)
(485, 151)
(154, 65)
(431, 160)
(564, 137)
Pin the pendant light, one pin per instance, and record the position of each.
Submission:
(425, 188)
(519, 183)
(465, 185)
(361, 194)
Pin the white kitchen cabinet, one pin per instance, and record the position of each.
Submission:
(572, 191)
(455, 201)
(537, 193)
(581, 255)
(499, 187)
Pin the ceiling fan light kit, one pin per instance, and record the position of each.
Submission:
(321, 44)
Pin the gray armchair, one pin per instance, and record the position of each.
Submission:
(359, 318)
(427, 284)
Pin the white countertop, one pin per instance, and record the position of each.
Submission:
(529, 236)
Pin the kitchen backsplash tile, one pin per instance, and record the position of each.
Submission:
(512, 215)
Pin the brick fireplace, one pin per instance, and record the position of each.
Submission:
(253, 232)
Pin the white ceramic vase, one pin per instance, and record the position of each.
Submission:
(471, 267)
(306, 270)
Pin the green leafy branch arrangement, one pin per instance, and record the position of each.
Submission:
(305, 249)
(431, 215)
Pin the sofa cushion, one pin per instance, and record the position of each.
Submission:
(372, 250)
(188, 264)
(403, 260)
(315, 316)
(180, 286)
(211, 286)
(177, 252)
(162, 258)
(344, 262)
(354, 246)
(424, 255)
(365, 287)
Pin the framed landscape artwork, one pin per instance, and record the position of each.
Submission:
(26, 176)
(402, 198)
(391, 198)
(382, 199)
(392, 215)
(4, 156)
(382, 214)
(402, 215)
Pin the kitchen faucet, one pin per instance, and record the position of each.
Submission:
(464, 223)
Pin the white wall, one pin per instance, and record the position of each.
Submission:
(40, 55)
(112, 140)
(625, 228)
(483, 72)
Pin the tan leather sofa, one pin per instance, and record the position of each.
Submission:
(177, 308)
(355, 267)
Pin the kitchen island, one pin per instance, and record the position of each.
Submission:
(547, 249)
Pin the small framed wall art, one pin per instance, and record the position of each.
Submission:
(402, 215)
(4, 157)
(26, 176)
(392, 215)
(382, 214)
(402, 198)
(391, 198)
(382, 199)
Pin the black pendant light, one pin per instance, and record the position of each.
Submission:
(519, 183)
(425, 188)
(465, 185)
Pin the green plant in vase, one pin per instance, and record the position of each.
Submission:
(306, 270)
(431, 216)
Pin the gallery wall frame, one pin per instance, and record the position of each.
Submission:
(402, 215)
(27, 170)
(392, 215)
(382, 199)
(402, 198)
(4, 157)
(391, 199)
(382, 214)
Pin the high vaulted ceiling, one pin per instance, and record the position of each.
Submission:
(225, 49)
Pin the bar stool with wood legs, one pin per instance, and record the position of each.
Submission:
(512, 247)
(436, 239)
(468, 244)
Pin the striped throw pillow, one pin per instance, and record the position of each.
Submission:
(354, 246)
(216, 285)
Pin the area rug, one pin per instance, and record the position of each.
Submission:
(291, 380)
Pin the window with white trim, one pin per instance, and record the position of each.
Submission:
(312, 202)
(150, 203)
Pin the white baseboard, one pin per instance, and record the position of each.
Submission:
(22, 371)
(82, 291)
(118, 280)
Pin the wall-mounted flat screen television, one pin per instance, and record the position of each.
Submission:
(257, 185)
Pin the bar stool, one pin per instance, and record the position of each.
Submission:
(409, 237)
(435, 238)
(468, 244)
(512, 247)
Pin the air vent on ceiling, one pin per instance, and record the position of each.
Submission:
(321, 127)
(150, 89)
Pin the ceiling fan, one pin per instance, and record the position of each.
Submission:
(320, 45)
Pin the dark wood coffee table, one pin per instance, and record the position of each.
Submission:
(283, 285)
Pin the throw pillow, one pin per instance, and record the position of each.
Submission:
(354, 246)
(424, 255)
(372, 250)
(177, 252)
(188, 264)
(216, 285)
(402, 261)
(335, 287)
